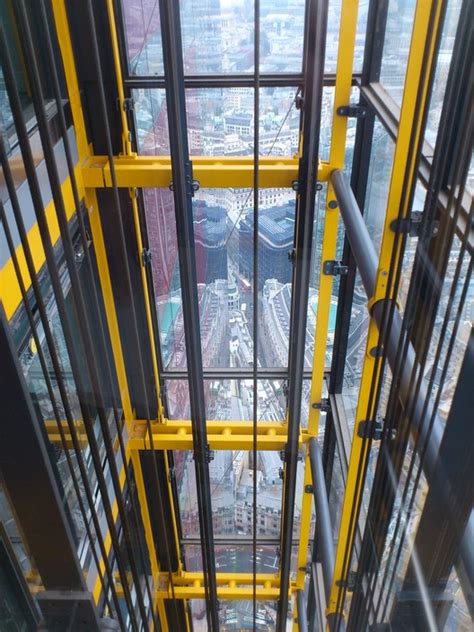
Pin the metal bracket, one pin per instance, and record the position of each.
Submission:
(295, 185)
(292, 255)
(348, 583)
(191, 184)
(331, 267)
(299, 102)
(412, 225)
(309, 489)
(208, 454)
(171, 474)
(305, 569)
(146, 256)
(371, 429)
(128, 104)
(284, 454)
(324, 406)
(352, 111)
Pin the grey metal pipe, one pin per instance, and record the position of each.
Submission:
(302, 617)
(361, 244)
(323, 518)
(367, 263)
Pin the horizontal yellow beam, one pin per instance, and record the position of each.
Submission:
(221, 435)
(209, 171)
(177, 435)
(232, 586)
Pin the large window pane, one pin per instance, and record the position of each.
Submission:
(396, 46)
(380, 171)
(229, 400)
(221, 122)
(442, 70)
(143, 37)
(355, 351)
(218, 36)
(231, 475)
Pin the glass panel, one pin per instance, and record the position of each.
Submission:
(235, 557)
(233, 400)
(236, 615)
(444, 373)
(151, 122)
(459, 618)
(442, 70)
(396, 46)
(220, 121)
(410, 248)
(231, 474)
(380, 171)
(9, 528)
(163, 244)
(218, 37)
(143, 37)
(230, 400)
(13, 39)
(332, 38)
(332, 35)
(355, 354)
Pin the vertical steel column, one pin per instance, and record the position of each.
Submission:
(183, 193)
(308, 165)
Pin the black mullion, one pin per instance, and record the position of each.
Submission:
(182, 192)
(315, 42)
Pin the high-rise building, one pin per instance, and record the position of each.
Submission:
(276, 228)
(187, 444)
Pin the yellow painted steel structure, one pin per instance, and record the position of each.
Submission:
(64, 40)
(420, 60)
(133, 172)
(210, 171)
(342, 94)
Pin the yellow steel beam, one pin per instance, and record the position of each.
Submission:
(221, 435)
(347, 33)
(147, 295)
(10, 294)
(210, 171)
(69, 66)
(67, 54)
(420, 61)
(231, 586)
(177, 435)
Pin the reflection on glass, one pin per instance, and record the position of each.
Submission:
(410, 248)
(143, 36)
(443, 62)
(355, 350)
(9, 526)
(434, 372)
(400, 18)
(378, 183)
